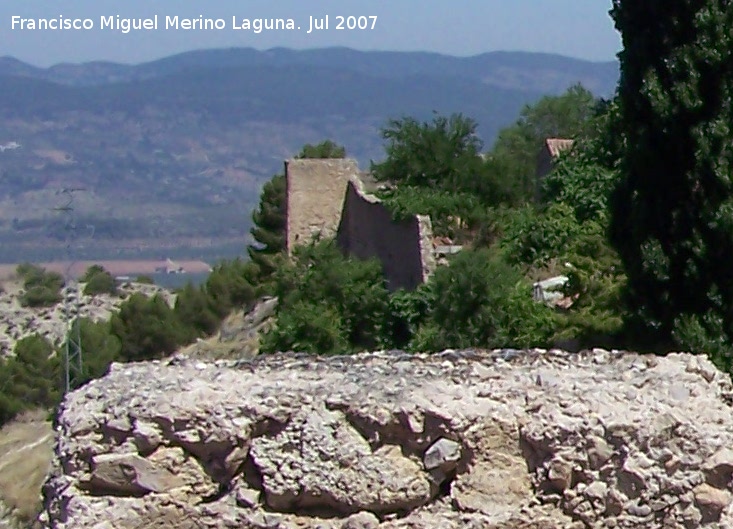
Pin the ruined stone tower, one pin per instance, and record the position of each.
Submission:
(315, 197)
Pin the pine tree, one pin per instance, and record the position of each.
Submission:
(269, 225)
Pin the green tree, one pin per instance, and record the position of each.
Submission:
(147, 328)
(194, 311)
(269, 221)
(325, 149)
(230, 285)
(98, 281)
(515, 152)
(583, 184)
(481, 301)
(672, 217)
(307, 327)
(30, 379)
(40, 288)
(320, 278)
(99, 345)
(534, 237)
(442, 154)
(435, 168)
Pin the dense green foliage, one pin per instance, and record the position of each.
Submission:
(268, 228)
(100, 348)
(327, 300)
(147, 328)
(516, 149)
(98, 281)
(325, 149)
(436, 168)
(40, 288)
(197, 312)
(442, 154)
(231, 285)
(672, 214)
(453, 214)
(482, 301)
(29, 379)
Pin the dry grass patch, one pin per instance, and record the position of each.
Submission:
(26, 450)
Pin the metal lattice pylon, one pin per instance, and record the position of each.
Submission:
(73, 351)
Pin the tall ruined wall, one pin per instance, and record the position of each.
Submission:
(367, 230)
(315, 197)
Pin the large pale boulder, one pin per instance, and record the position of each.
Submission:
(505, 439)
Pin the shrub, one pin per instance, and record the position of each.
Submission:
(39, 296)
(534, 238)
(704, 334)
(144, 280)
(407, 312)
(40, 288)
(307, 327)
(30, 379)
(147, 328)
(194, 312)
(450, 212)
(482, 301)
(595, 284)
(354, 290)
(98, 281)
(582, 184)
(230, 286)
(100, 347)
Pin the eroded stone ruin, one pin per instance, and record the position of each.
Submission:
(504, 439)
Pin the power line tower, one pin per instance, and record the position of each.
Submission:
(73, 352)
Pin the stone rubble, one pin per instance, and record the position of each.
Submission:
(463, 439)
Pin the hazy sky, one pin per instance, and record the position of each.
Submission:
(578, 28)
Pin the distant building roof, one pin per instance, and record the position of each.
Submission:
(556, 146)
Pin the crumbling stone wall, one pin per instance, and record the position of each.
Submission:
(315, 197)
(472, 439)
(326, 197)
(367, 230)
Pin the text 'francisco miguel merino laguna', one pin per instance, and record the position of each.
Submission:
(126, 25)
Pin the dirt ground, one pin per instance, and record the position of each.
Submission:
(116, 268)
(26, 449)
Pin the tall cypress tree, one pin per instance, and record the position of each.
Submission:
(672, 214)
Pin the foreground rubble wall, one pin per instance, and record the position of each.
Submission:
(505, 439)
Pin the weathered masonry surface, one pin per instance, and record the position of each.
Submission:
(327, 198)
(551, 150)
(404, 248)
(315, 197)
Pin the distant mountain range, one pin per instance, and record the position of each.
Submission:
(172, 152)
(516, 70)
